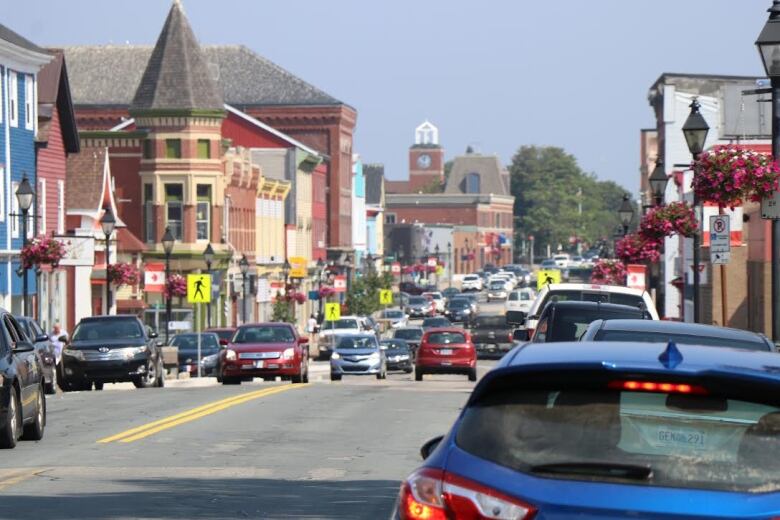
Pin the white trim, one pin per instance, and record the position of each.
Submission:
(13, 99)
(42, 205)
(122, 126)
(270, 130)
(15, 210)
(60, 207)
(29, 99)
(23, 59)
(2, 89)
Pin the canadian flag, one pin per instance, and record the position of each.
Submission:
(154, 277)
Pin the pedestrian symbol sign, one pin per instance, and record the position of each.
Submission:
(332, 311)
(385, 297)
(547, 276)
(199, 288)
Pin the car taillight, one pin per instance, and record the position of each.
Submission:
(655, 386)
(432, 494)
(510, 338)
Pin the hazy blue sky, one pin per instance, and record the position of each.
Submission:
(495, 74)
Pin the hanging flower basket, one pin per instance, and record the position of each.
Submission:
(635, 249)
(293, 297)
(42, 250)
(609, 272)
(664, 221)
(123, 274)
(728, 175)
(176, 286)
(327, 291)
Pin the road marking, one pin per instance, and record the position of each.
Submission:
(159, 425)
(19, 477)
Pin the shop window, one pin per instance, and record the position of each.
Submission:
(174, 200)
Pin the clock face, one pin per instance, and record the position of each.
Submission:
(424, 161)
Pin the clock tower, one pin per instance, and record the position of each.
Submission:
(426, 158)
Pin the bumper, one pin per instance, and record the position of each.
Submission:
(498, 295)
(261, 368)
(105, 371)
(403, 364)
(458, 317)
(493, 347)
(418, 313)
(356, 368)
(445, 367)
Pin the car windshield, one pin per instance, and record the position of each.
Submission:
(436, 322)
(443, 338)
(225, 334)
(190, 342)
(458, 304)
(362, 342)
(497, 284)
(108, 329)
(409, 333)
(662, 439)
(686, 339)
(394, 314)
(264, 334)
(395, 345)
(471, 278)
(341, 324)
(570, 324)
(418, 300)
(631, 300)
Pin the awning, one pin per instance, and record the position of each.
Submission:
(127, 242)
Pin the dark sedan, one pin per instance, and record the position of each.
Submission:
(411, 335)
(187, 345)
(399, 355)
(110, 349)
(45, 350)
(646, 331)
(22, 399)
(459, 309)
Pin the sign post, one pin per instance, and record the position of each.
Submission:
(547, 276)
(720, 253)
(198, 292)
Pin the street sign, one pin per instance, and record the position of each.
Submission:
(340, 283)
(720, 258)
(720, 234)
(385, 297)
(332, 311)
(314, 295)
(297, 267)
(770, 207)
(154, 278)
(545, 276)
(395, 268)
(79, 251)
(179, 325)
(432, 261)
(199, 288)
(636, 277)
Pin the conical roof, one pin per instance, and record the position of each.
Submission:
(177, 76)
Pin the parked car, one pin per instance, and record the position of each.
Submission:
(568, 321)
(266, 350)
(187, 345)
(609, 430)
(459, 310)
(450, 292)
(497, 290)
(646, 331)
(45, 350)
(111, 349)
(225, 334)
(438, 321)
(491, 334)
(446, 350)
(411, 335)
(411, 288)
(438, 300)
(471, 282)
(393, 319)
(420, 306)
(22, 392)
(562, 260)
(359, 354)
(473, 300)
(331, 329)
(399, 355)
(549, 264)
(518, 303)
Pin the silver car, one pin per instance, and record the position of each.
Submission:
(359, 355)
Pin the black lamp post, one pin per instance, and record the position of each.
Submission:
(107, 223)
(449, 262)
(695, 131)
(24, 196)
(286, 273)
(626, 213)
(320, 274)
(208, 256)
(348, 266)
(243, 265)
(658, 180)
(768, 44)
(167, 243)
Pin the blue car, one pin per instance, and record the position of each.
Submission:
(609, 430)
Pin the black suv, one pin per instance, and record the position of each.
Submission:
(567, 321)
(111, 349)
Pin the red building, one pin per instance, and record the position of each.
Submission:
(319, 212)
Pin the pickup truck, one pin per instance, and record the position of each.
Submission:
(491, 334)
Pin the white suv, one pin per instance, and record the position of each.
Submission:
(471, 282)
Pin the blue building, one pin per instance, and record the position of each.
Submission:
(20, 61)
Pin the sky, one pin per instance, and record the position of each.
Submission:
(496, 74)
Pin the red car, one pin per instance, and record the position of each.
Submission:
(446, 350)
(225, 333)
(265, 350)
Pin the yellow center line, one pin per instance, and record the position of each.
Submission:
(19, 477)
(186, 416)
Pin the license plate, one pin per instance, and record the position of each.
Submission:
(446, 352)
(446, 364)
(259, 363)
(681, 438)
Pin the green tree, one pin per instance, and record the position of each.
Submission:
(283, 311)
(555, 199)
(363, 296)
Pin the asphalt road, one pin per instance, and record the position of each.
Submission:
(198, 450)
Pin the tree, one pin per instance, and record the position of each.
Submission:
(555, 199)
(363, 296)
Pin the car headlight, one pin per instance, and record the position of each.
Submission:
(77, 354)
(403, 357)
(335, 355)
(231, 355)
(374, 357)
(134, 351)
(288, 353)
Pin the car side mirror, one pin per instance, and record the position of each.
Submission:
(153, 335)
(159, 343)
(23, 346)
(41, 337)
(63, 339)
(303, 340)
(521, 335)
(429, 446)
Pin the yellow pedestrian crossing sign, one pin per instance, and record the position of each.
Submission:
(547, 276)
(199, 288)
(332, 311)
(385, 296)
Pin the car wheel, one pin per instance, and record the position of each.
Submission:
(147, 380)
(298, 378)
(51, 387)
(418, 375)
(335, 377)
(9, 433)
(407, 370)
(473, 374)
(34, 431)
(99, 385)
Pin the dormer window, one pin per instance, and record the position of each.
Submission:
(472, 183)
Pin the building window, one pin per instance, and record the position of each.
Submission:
(472, 183)
(173, 148)
(149, 220)
(204, 149)
(174, 199)
(389, 218)
(29, 98)
(42, 206)
(16, 219)
(13, 99)
(61, 207)
(148, 149)
(498, 220)
(203, 211)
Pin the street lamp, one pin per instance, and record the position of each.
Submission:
(768, 44)
(626, 213)
(695, 131)
(449, 262)
(243, 265)
(208, 255)
(167, 243)
(320, 274)
(107, 223)
(24, 196)
(658, 180)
